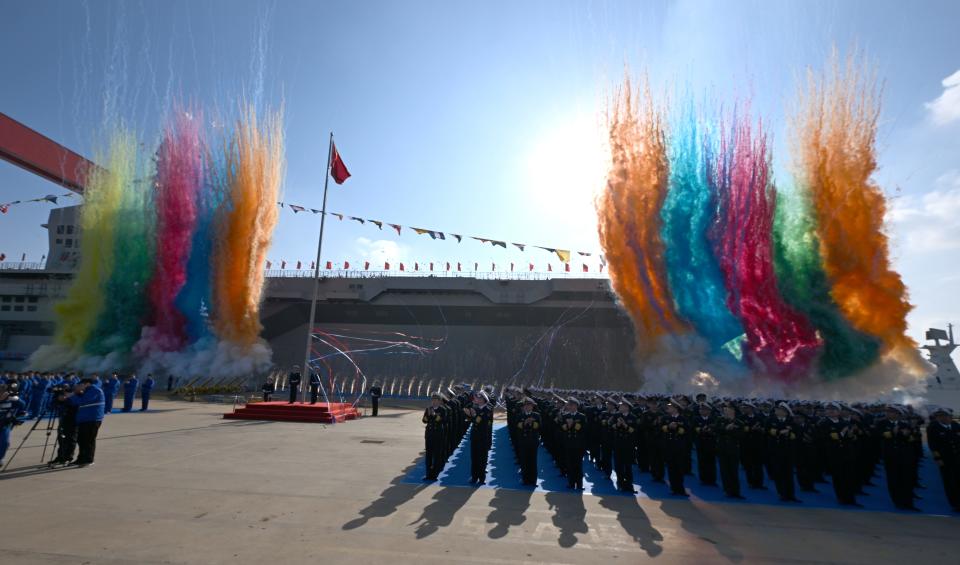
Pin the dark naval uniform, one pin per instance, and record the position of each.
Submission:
(896, 449)
(944, 440)
(705, 442)
(293, 381)
(729, 433)
(676, 449)
(836, 442)
(481, 420)
(781, 449)
(528, 442)
(573, 429)
(435, 421)
(624, 428)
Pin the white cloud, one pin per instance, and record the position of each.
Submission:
(931, 222)
(946, 108)
(379, 249)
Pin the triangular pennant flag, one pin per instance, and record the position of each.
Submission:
(356, 219)
(584, 254)
(511, 267)
(377, 223)
(339, 216)
(281, 204)
(585, 268)
(314, 210)
(296, 208)
(563, 254)
(520, 246)
(502, 244)
(338, 170)
(440, 236)
(481, 240)
(459, 237)
(283, 264)
(50, 198)
(550, 267)
(396, 227)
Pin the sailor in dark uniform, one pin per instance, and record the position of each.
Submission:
(528, 441)
(375, 393)
(624, 427)
(674, 430)
(781, 450)
(293, 382)
(574, 433)
(897, 453)
(480, 417)
(943, 437)
(836, 438)
(434, 418)
(706, 444)
(728, 431)
(314, 386)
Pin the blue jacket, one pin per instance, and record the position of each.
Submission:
(11, 410)
(130, 386)
(147, 385)
(110, 387)
(89, 405)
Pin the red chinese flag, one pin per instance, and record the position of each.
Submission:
(585, 268)
(346, 265)
(448, 265)
(298, 265)
(550, 267)
(338, 170)
(431, 265)
(416, 266)
(366, 265)
(386, 266)
(458, 266)
(531, 267)
(566, 267)
(329, 265)
(283, 264)
(401, 267)
(313, 264)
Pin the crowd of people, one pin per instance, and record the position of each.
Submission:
(795, 444)
(77, 403)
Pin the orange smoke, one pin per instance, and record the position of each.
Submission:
(254, 171)
(629, 214)
(835, 132)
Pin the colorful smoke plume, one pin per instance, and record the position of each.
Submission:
(792, 287)
(173, 246)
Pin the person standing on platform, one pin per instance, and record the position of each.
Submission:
(943, 436)
(145, 390)
(268, 389)
(528, 442)
(293, 381)
(314, 386)
(481, 417)
(375, 393)
(88, 400)
(728, 431)
(434, 418)
(110, 388)
(129, 392)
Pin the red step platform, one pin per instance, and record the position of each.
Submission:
(321, 412)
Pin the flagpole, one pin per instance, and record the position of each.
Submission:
(316, 283)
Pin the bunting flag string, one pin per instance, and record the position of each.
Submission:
(51, 198)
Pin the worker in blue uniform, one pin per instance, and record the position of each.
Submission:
(12, 412)
(89, 402)
(129, 391)
(145, 389)
(109, 391)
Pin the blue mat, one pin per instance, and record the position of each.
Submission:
(503, 472)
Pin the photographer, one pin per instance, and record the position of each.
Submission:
(89, 402)
(61, 406)
(12, 412)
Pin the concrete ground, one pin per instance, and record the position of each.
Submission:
(180, 485)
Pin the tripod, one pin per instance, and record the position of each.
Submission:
(51, 418)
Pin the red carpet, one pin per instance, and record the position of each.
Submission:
(320, 412)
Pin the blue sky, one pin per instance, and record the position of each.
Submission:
(481, 118)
